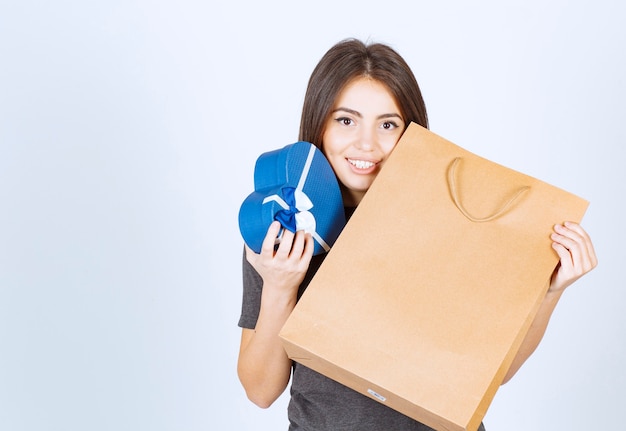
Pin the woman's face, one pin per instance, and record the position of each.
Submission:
(362, 129)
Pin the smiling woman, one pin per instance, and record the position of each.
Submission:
(359, 101)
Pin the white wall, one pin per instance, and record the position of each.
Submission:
(128, 135)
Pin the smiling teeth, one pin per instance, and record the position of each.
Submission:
(361, 164)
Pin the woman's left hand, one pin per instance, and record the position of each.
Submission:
(576, 252)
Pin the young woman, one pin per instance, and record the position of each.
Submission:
(359, 100)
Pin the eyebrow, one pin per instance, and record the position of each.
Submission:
(358, 114)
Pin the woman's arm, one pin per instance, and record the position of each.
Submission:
(263, 366)
(577, 257)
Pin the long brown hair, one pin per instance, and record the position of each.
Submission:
(350, 59)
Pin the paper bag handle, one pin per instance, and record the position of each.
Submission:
(457, 201)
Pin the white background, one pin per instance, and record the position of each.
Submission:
(128, 135)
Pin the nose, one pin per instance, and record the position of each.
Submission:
(367, 139)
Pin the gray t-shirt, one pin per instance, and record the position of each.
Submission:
(317, 402)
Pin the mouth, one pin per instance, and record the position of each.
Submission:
(361, 164)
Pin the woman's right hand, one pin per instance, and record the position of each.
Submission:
(284, 267)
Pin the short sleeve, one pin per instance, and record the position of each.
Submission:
(251, 301)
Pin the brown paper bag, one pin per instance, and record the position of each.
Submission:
(427, 294)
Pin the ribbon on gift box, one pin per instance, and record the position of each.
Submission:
(297, 187)
(295, 214)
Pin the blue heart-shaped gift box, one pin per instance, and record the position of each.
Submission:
(296, 186)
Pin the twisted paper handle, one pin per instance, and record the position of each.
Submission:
(459, 205)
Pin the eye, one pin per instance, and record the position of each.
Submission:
(389, 125)
(345, 121)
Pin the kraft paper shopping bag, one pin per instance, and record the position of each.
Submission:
(429, 290)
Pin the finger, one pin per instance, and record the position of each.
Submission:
(270, 238)
(565, 256)
(309, 246)
(575, 227)
(298, 244)
(572, 241)
(591, 253)
(568, 235)
(286, 242)
(583, 251)
(304, 253)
